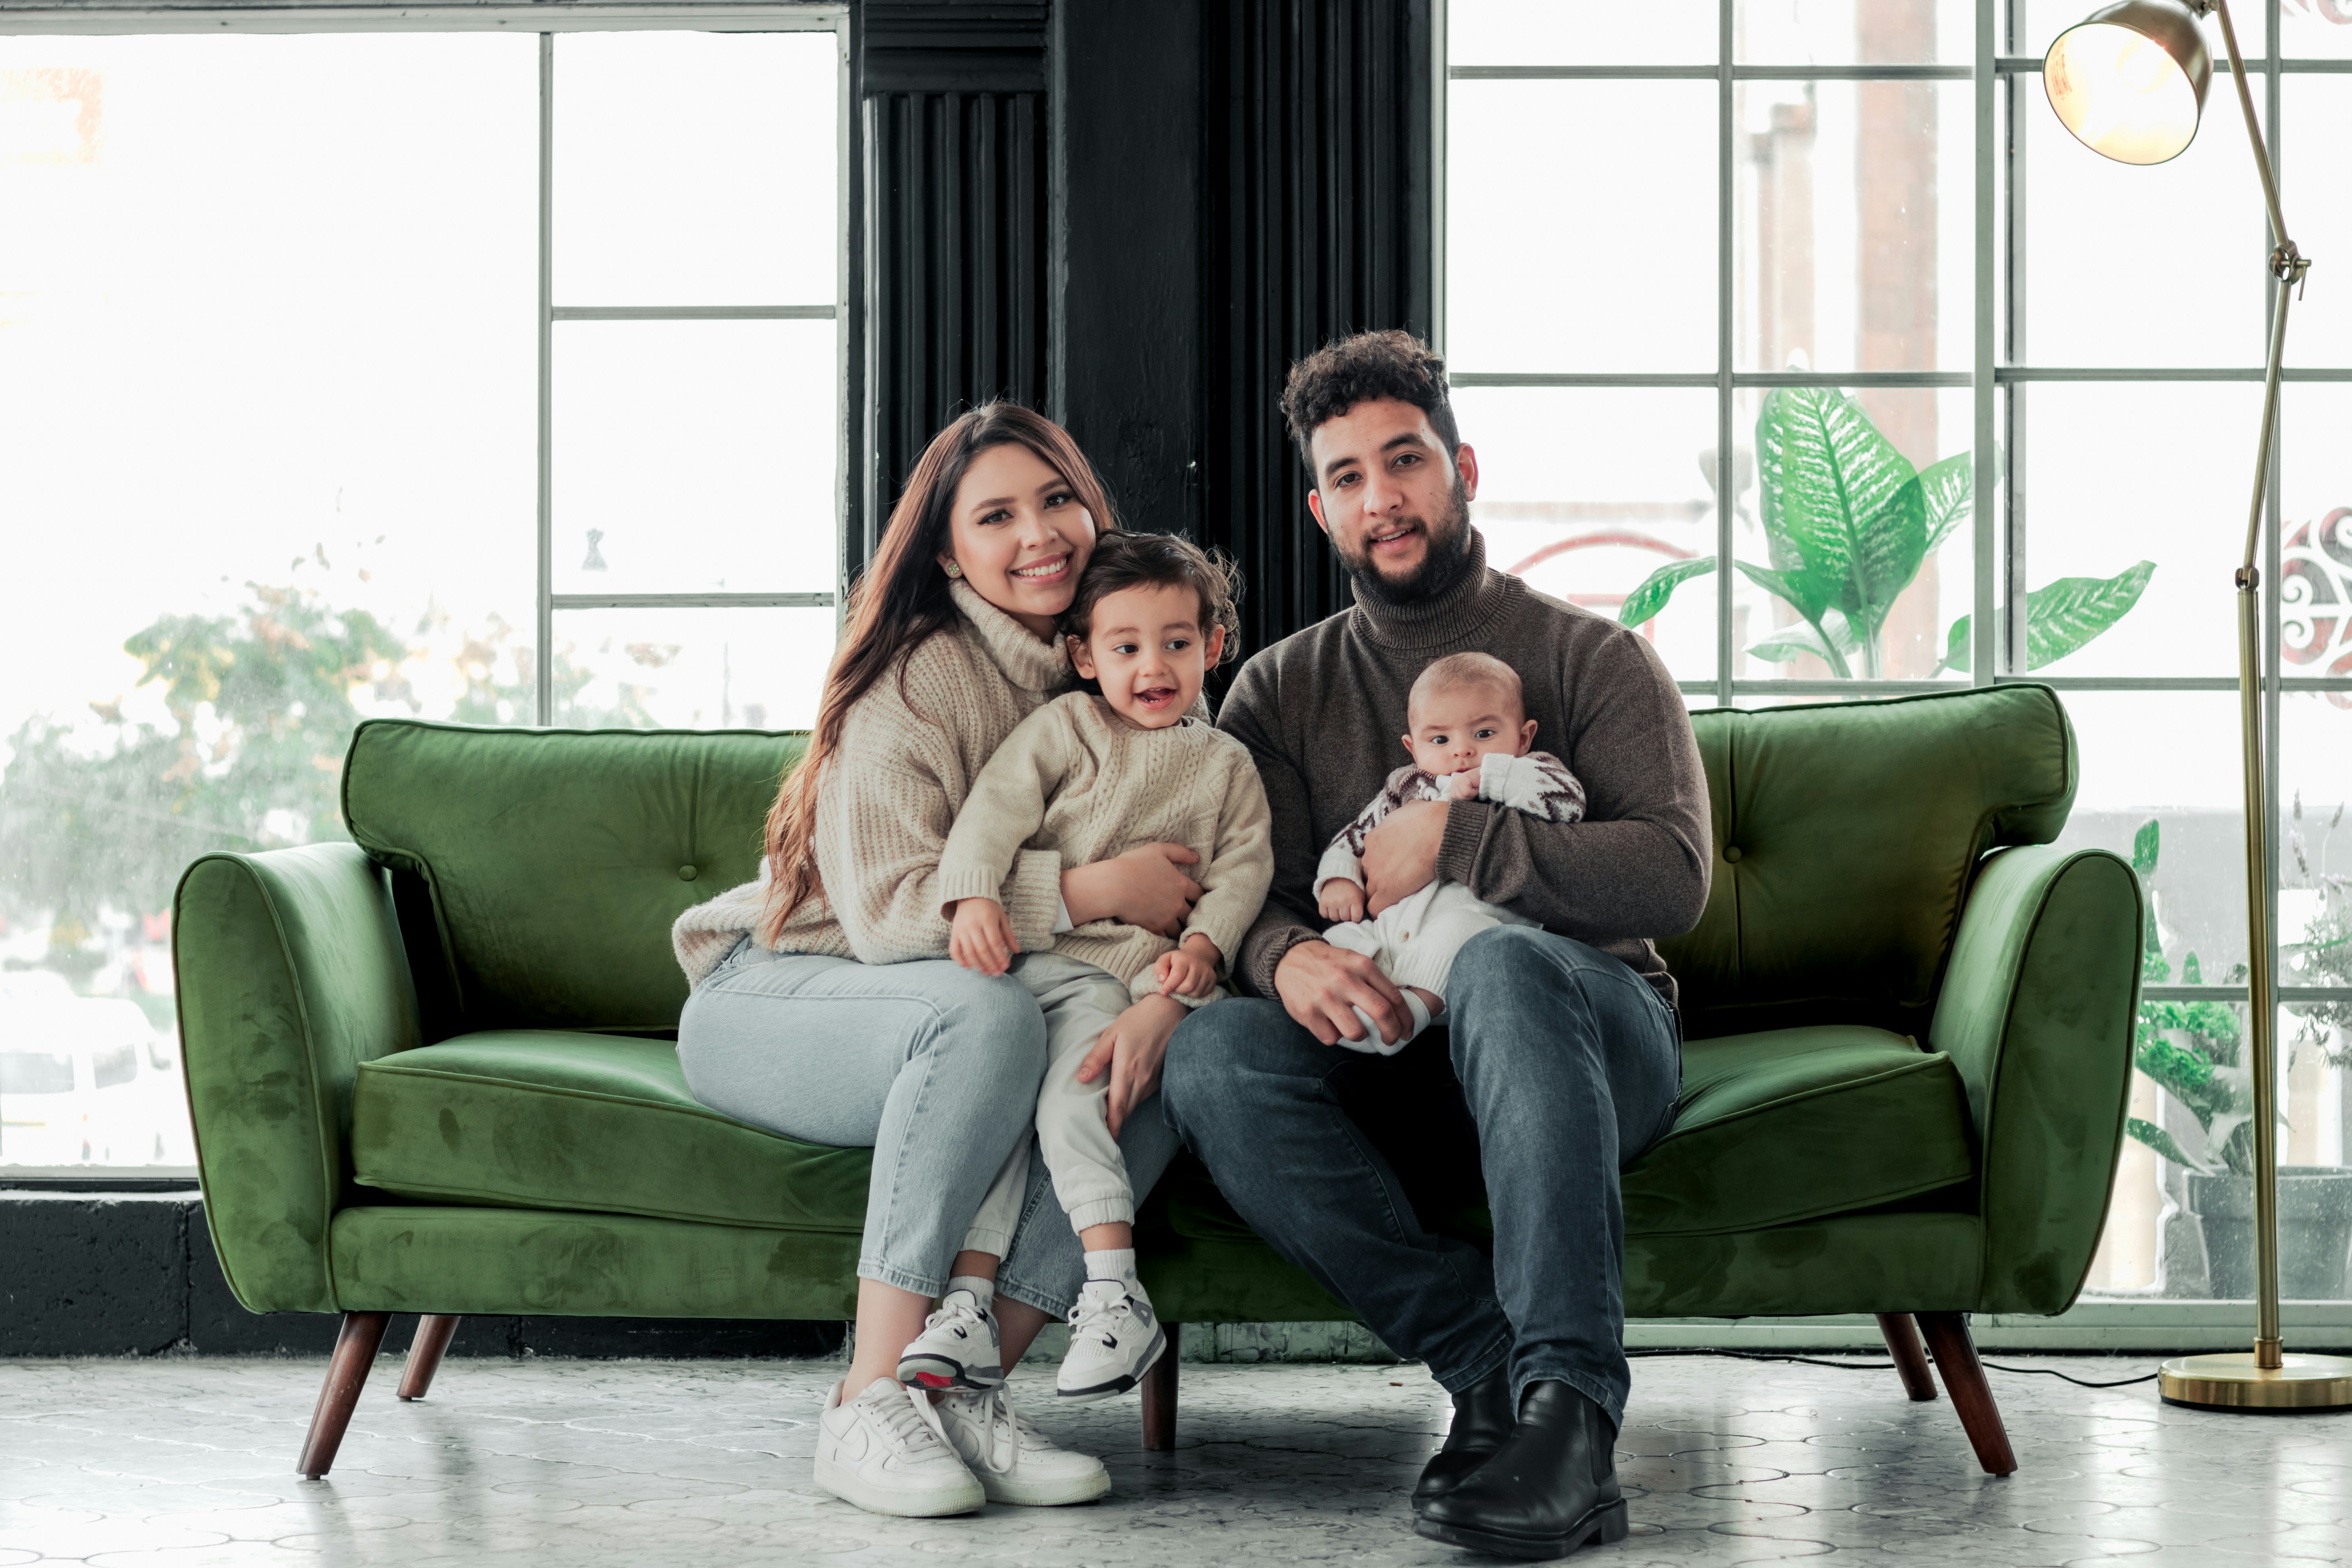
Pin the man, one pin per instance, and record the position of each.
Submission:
(1560, 1062)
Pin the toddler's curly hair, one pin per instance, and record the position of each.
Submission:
(1123, 560)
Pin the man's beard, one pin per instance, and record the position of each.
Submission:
(1447, 550)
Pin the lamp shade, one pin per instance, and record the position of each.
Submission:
(2129, 80)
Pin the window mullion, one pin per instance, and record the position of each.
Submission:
(1726, 468)
(1986, 84)
(543, 665)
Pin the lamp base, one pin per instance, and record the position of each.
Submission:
(2233, 1382)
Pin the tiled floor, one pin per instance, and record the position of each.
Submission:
(187, 1463)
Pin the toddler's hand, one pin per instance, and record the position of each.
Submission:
(1340, 899)
(1183, 974)
(980, 937)
(1465, 786)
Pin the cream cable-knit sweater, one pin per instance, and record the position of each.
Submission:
(1078, 778)
(909, 752)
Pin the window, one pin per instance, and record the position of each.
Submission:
(1708, 225)
(465, 376)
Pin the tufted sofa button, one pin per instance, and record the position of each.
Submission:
(687, 873)
(1731, 852)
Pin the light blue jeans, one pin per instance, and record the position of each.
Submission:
(935, 1068)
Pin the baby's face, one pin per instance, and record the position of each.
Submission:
(1454, 727)
(1147, 649)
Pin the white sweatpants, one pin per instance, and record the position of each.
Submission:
(1414, 941)
(1072, 1122)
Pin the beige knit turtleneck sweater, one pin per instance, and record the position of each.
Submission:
(1080, 779)
(909, 752)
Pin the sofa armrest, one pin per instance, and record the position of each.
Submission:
(2036, 1012)
(290, 975)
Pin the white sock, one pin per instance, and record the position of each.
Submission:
(983, 1291)
(1112, 1263)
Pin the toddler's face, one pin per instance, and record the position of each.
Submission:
(1453, 728)
(1148, 650)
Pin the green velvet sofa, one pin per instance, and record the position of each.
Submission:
(431, 1070)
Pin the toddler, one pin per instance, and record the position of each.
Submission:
(1088, 777)
(1469, 739)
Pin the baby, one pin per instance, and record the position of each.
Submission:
(1088, 777)
(1469, 738)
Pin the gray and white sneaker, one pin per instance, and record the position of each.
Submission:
(956, 1348)
(1015, 1461)
(885, 1452)
(1115, 1337)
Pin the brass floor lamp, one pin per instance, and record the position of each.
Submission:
(2129, 82)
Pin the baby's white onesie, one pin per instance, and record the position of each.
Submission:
(1415, 941)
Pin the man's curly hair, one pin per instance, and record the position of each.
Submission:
(1338, 376)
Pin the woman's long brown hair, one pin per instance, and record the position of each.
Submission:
(899, 601)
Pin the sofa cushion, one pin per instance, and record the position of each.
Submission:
(552, 861)
(544, 1118)
(1773, 1129)
(1846, 835)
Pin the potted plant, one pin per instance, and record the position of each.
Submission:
(2192, 1051)
(1848, 522)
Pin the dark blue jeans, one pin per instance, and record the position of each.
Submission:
(1565, 1066)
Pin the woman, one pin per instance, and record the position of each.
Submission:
(825, 1008)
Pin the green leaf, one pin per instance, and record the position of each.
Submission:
(1829, 642)
(1659, 586)
(2158, 1139)
(1842, 510)
(1949, 489)
(2145, 844)
(1958, 652)
(2061, 617)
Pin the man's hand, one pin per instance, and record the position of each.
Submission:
(1189, 969)
(1321, 986)
(1132, 1050)
(1401, 853)
(980, 937)
(1340, 899)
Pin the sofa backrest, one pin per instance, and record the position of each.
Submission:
(537, 871)
(1846, 836)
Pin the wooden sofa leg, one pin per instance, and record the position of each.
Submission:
(1159, 1396)
(1964, 1380)
(355, 1346)
(433, 1334)
(1910, 1360)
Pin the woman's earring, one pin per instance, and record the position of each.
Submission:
(954, 570)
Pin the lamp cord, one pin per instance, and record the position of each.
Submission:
(1889, 1366)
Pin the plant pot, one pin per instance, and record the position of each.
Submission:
(2315, 1231)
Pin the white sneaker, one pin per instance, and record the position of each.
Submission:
(1015, 1461)
(884, 1451)
(1115, 1337)
(956, 1348)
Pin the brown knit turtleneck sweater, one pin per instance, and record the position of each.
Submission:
(1321, 710)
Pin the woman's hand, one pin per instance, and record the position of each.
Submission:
(981, 938)
(1145, 887)
(1132, 1050)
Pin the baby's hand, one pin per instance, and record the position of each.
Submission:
(1340, 899)
(1184, 974)
(980, 937)
(1463, 787)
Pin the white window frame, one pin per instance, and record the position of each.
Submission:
(546, 21)
(2105, 1322)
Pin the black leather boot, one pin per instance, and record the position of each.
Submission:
(1483, 1418)
(1548, 1489)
